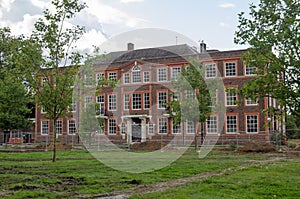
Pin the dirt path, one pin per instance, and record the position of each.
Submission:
(160, 187)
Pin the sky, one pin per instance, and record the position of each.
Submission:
(213, 21)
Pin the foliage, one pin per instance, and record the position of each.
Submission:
(293, 130)
(16, 54)
(54, 78)
(272, 31)
(192, 93)
(14, 101)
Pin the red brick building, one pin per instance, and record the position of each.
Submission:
(136, 109)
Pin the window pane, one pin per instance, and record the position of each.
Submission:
(136, 101)
(112, 76)
(162, 74)
(175, 72)
(45, 127)
(211, 70)
(190, 127)
(176, 128)
(58, 126)
(252, 124)
(230, 98)
(126, 101)
(146, 76)
(250, 70)
(112, 128)
(72, 126)
(230, 69)
(231, 124)
(112, 102)
(162, 99)
(126, 78)
(136, 77)
(162, 124)
(211, 124)
(146, 100)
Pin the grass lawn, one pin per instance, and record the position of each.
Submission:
(275, 180)
(77, 174)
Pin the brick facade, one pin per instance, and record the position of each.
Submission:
(143, 90)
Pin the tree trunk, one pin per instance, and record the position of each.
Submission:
(54, 141)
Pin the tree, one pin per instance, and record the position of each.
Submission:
(272, 30)
(52, 83)
(14, 101)
(191, 97)
(16, 54)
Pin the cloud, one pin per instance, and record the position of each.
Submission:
(131, 1)
(223, 24)
(227, 5)
(109, 15)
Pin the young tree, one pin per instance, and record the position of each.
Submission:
(194, 97)
(272, 29)
(52, 83)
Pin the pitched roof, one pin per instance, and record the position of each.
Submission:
(148, 53)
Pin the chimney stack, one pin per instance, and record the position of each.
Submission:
(202, 47)
(130, 46)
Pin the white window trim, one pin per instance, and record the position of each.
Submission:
(158, 130)
(215, 66)
(108, 103)
(187, 127)
(45, 134)
(245, 71)
(246, 122)
(236, 96)
(246, 103)
(69, 127)
(132, 100)
(145, 101)
(158, 104)
(217, 130)
(124, 78)
(148, 76)
(237, 125)
(236, 71)
(166, 79)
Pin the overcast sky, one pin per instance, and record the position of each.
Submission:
(213, 21)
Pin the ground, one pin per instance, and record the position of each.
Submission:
(222, 174)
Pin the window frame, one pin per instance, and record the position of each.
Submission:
(210, 71)
(148, 76)
(136, 102)
(215, 124)
(236, 124)
(114, 128)
(110, 103)
(162, 105)
(46, 128)
(163, 130)
(163, 78)
(257, 123)
(235, 69)
(69, 131)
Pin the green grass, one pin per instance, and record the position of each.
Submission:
(275, 180)
(76, 173)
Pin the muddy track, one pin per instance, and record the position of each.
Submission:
(160, 187)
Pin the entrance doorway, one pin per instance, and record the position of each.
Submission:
(136, 129)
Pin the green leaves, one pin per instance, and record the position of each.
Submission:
(273, 32)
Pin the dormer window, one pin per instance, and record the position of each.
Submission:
(136, 74)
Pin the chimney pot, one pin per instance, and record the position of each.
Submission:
(130, 46)
(202, 47)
